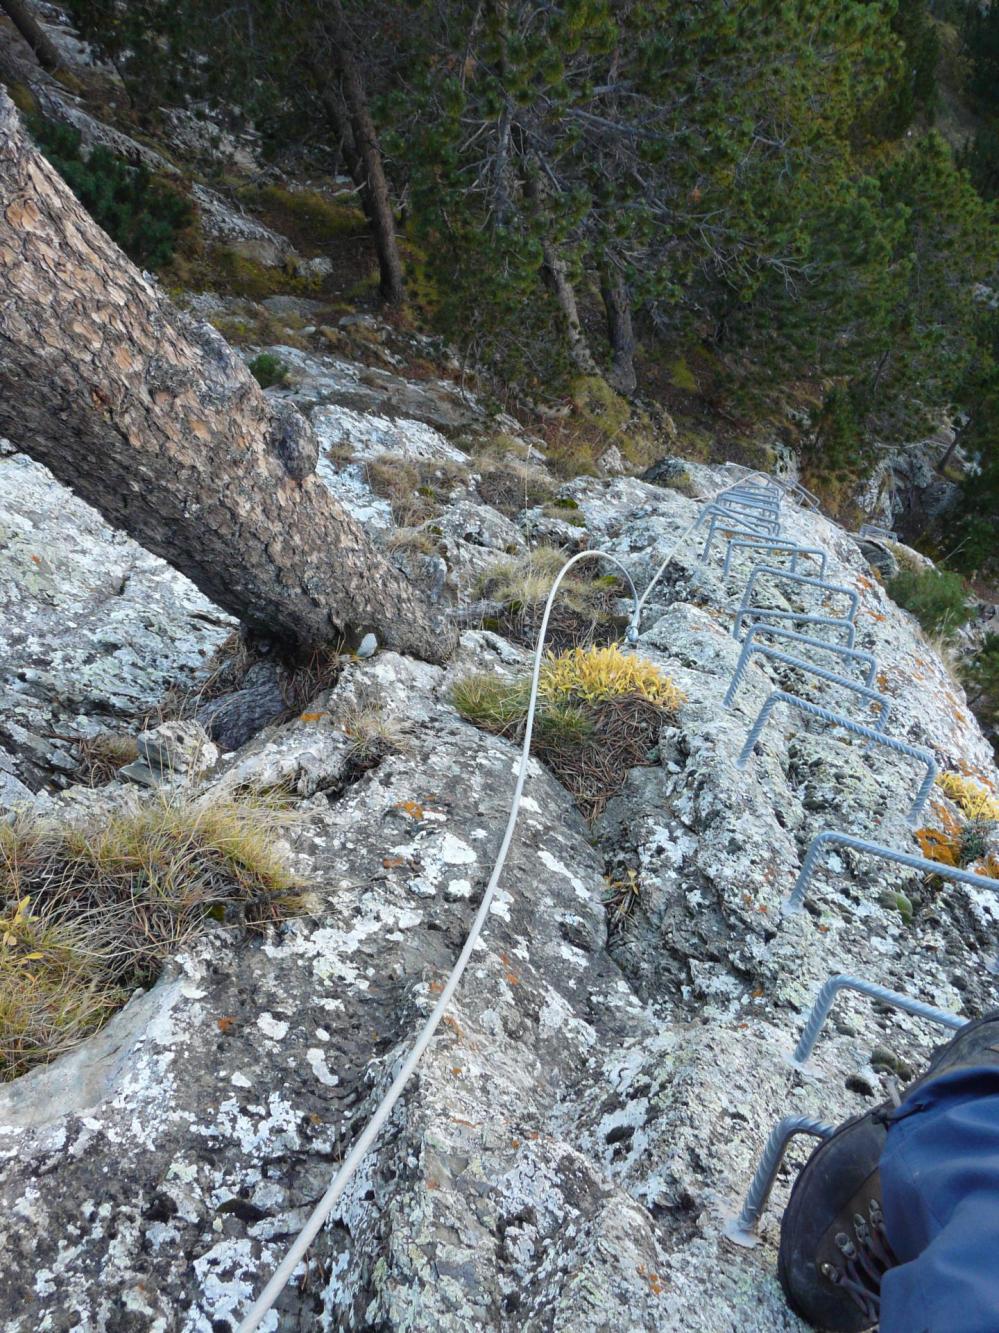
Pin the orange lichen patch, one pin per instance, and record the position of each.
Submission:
(393, 862)
(989, 867)
(882, 681)
(311, 717)
(864, 584)
(936, 845)
(874, 615)
(411, 808)
(226, 1024)
(656, 1284)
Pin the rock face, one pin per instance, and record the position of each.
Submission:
(93, 629)
(593, 1106)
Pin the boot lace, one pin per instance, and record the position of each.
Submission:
(866, 1257)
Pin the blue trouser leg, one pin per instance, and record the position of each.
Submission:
(940, 1195)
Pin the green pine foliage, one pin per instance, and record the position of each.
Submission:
(143, 215)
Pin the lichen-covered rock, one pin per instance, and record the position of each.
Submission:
(591, 1110)
(93, 629)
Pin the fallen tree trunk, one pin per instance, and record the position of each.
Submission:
(150, 417)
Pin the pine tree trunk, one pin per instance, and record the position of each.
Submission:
(152, 419)
(620, 332)
(379, 199)
(558, 277)
(33, 33)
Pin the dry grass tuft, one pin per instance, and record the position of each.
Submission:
(583, 611)
(373, 735)
(90, 911)
(972, 798)
(600, 712)
(101, 757)
(510, 485)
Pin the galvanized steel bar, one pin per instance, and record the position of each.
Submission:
(775, 655)
(824, 1003)
(729, 528)
(803, 580)
(751, 525)
(742, 1229)
(838, 720)
(840, 650)
(922, 863)
(794, 549)
(875, 530)
(801, 618)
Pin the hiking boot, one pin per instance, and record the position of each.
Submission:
(833, 1247)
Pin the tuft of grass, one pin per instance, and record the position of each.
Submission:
(90, 911)
(373, 735)
(596, 675)
(101, 757)
(268, 370)
(414, 488)
(599, 714)
(510, 485)
(583, 610)
(975, 801)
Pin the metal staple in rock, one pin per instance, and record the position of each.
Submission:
(774, 655)
(823, 840)
(838, 720)
(755, 614)
(803, 580)
(824, 1003)
(794, 549)
(839, 649)
(742, 1229)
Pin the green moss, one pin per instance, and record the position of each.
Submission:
(310, 219)
(681, 376)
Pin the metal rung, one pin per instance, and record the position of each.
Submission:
(731, 529)
(794, 549)
(741, 1230)
(752, 526)
(800, 618)
(824, 1003)
(788, 577)
(823, 840)
(838, 720)
(775, 655)
(840, 650)
(875, 530)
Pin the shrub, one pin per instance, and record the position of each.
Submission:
(142, 214)
(599, 714)
(934, 596)
(90, 911)
(981, 676)
(268, 370)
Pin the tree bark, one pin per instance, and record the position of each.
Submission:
(558, 277)
(380, 215)
(33, 33)
(153, 419)
(620, 332)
